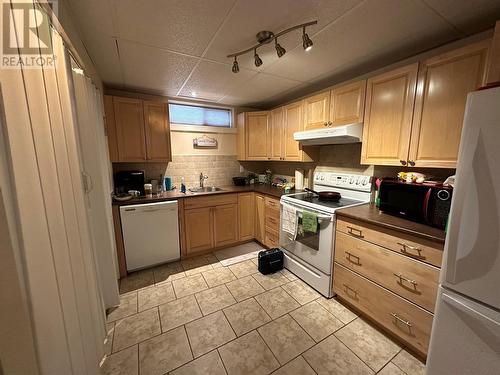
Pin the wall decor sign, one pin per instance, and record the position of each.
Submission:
(205, 142)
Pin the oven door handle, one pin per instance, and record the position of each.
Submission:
(320, 217)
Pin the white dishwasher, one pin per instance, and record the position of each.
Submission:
(150, 234)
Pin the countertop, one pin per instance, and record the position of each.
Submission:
(176, 194)
(369, 213)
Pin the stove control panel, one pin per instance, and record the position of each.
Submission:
(343, 180)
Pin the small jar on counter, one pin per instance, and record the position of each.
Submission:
(148, 190)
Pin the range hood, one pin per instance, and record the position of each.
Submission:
(351, 133)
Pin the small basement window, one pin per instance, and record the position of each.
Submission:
(185, 114)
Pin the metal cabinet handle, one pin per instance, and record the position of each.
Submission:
(411, 162)
(399, 319)
(406, 247)
(351, 231)
(403, 162)
(325, 123)
(349, 255)
(402, 278)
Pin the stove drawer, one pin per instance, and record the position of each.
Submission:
(409, 278)
(407, 321)
(402, 243)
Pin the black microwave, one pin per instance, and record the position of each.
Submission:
(425, 203)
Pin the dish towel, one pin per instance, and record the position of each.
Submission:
(289, 220)
(309, 222)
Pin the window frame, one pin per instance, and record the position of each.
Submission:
(203, 128)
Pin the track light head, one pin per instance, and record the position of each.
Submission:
(280, 51)
(236, 67)
(258, 60)
(306, 41)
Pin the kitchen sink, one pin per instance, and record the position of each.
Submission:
(207, 189)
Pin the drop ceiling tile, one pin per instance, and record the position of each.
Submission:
(104, 54)
(468, 16)
(154, 69)
(93, 15)
(211, 80)
(375, 27)
(180, 25)
(249, 17)
(258, 89)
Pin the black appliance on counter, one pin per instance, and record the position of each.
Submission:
(129, 180)
(425, 203)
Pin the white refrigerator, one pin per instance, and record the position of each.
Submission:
(466, 330)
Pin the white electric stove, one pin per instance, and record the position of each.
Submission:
(310, 255)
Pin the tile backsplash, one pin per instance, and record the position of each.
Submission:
(220, 169)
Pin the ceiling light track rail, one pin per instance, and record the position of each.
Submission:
(266, 37)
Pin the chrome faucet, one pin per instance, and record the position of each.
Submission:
(203, 177)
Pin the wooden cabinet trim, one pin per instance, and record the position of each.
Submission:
(275, 134)
(123, 148)
(256, 136)
(157, 131)
(246, 213)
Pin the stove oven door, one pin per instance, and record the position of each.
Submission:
(312, 248)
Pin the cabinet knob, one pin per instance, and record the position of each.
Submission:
(403, 162)
(411, 162)
(330, 123)
(325, 123)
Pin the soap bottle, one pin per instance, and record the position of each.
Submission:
(183, 185)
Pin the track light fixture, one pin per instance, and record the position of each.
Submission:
(265, 37)
(307, 43)
(258, 60)
(280, 51)
(236, 67)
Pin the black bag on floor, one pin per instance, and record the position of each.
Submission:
(270, 261)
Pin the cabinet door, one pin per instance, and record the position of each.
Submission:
(348, 103)
(240, 138)
(246, 213)
(292, 123)
(256, 131)
(389, 108)
(198, 223)
(129, 121)
(109, 114)
(260, 218)
(443, 84)
(225, 224)
(157, 131)
(275, 134)
(317, 111)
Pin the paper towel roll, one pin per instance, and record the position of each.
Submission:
(299, 179)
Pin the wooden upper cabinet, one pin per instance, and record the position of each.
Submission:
(225, 224)
(388, 116)
(292, 123)
(317, 111)
(347, 103)
(129, 121)
(256, 124)
(157, 129)
(275, 135)
(111, 128)
(240, 137)
(443, 84)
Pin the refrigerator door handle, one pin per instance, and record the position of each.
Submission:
(460, 306)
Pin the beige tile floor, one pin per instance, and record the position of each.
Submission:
(199, 317)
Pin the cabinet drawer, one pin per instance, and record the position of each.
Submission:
(409, 278)
(272, 222)
(272, 239)
(404, 319)
(210, 200)
(405, 244)
(272, 203)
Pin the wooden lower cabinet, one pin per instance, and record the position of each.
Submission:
(198, 224)
(225, 225)
(404, 319)
(260, 218)
(246, 213)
